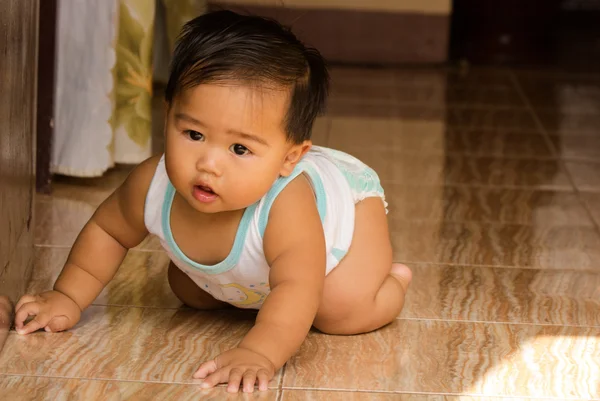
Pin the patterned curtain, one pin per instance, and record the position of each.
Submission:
(104, 80)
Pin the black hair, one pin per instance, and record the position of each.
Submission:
(224, 46)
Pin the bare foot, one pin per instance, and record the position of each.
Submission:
(403, 274)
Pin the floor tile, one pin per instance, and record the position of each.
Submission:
(577, 147)
(556, 123)
(358, 108)
(592, 202)
(323, 395)
(350, 133)
(124, 343)
(586, 176)
(58, 222)
(371, 109)
(484, 96)
(356, 133)
(511, 143)
(575, 95)
(92, 190)
(370, 76)
(498, 79)
(394, 166)
(479, 293)
(429, 94)
(361, 90)
(500, 205)
(520, 119)
(25, 388)
(454, 357)
(320, 131)
(140, 281)
(539, 247)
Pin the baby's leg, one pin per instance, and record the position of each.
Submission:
(365, 291)
(189, 293)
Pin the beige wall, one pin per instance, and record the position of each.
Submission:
(420, 6)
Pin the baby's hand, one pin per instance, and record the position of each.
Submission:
(53, 311)
(235, 366)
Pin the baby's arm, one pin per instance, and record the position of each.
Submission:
(295, 249)
(116, 226)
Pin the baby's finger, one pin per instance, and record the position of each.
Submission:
(249, 379)
(25, 299)
(220, 376)
(39, 322)
(235, 379)
(205, 369)
(58, 323)
(28, 309)
(263, 380)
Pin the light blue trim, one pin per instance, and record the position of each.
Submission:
(282, 182)
(338, 253)
(230, 261)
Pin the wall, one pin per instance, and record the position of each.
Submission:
(427, 6)
(379, 32)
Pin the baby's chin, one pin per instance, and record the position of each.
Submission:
(220, 206)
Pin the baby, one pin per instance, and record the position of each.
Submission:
(250, 213)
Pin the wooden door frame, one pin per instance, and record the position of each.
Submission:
(46, 80)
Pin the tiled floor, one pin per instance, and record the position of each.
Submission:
(493, 179)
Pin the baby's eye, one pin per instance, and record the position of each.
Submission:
(194, 135)
(239, 150)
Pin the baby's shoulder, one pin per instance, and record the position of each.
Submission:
(134, 189)
(296, 197)
(141, 176)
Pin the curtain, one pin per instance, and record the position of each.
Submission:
(104, 79)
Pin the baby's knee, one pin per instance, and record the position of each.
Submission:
(342, 316)
(339, 325)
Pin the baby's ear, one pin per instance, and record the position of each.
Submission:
(293, 156)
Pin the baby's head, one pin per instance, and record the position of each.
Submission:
(242, 96)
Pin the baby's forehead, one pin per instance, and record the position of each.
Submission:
(250, 90)
(236, 97)
(233, 106)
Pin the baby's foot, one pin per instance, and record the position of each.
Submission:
(403, 274)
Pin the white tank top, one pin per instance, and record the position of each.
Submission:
(242, 279)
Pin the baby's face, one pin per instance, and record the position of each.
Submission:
(226, 145)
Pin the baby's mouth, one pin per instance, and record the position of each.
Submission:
(205, 189)
(204, 194)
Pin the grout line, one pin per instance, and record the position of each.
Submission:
(475, 321)
(116, 380)
(503, 267)
(485, 222)
(538, 123)
(400, 151)
(280, 391)
(444, 185)
(486, 396)
(280, 384)
(508, 267)
(139, 307)
(562, 162)
(485, 186)
(282, 376)
(61, 246)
